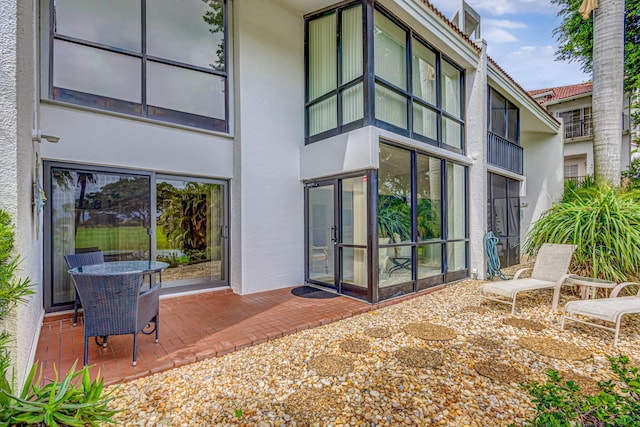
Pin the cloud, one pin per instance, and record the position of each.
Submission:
(503, 23)
(498, 35)
(504, 7)
(535, 67)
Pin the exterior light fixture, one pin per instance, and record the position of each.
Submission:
(37, 135)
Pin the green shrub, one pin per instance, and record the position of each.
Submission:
(56, 403)
(631, 177)
(75, 401)
(603, 222)
(562, 403)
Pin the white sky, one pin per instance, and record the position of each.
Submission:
(519, 35)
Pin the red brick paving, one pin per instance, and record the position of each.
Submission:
(193, 328)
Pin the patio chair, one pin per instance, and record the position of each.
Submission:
(608, 309)
(114, 305)
(77, 260)
(549, 272)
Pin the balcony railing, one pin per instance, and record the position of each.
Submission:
(503, 153)
(578, 128)
(574, 179)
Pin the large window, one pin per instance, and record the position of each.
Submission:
(415, 245)
(334, 72)
(504, 120)
(397, 81)
(159, 59)
(504, 217)
(430, 107)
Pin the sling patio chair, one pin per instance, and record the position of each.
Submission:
(607, 309)
(114, 305)
(549, 272)
(77, 260)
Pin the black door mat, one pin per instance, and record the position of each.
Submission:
(310, 292)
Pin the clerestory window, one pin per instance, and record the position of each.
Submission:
(364, 66)
(160, 59)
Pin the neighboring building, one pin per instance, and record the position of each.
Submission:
(572, 104)
(261, 144)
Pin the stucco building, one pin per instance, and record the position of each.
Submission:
(362, 146)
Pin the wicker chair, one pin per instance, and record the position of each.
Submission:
(77, 260)
(549, 272)
(114, 305)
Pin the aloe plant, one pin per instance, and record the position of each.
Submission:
(73, 401)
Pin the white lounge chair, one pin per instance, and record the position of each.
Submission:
(549, 272)
(608, 309)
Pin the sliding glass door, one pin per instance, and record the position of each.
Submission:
(131, 215)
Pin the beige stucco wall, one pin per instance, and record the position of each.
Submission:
(17, 151)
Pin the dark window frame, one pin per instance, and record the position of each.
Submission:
(370, 80)
(507, 105)
(133, 108)
(340, 86)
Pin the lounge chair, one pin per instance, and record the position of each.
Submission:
(549, 272)
(608, 309)
(77, 260)
(114, 305)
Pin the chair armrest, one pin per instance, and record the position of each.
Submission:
(519, 272)
(621, 286)
(154, 288)
(556, 292)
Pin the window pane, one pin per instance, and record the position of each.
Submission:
(450, 89)
(354, 266)
(429, 261)
(189, 31)
(424, 72)
(498, 124)
(512, 125)
(96, 71)
(352, 104)
(391, 107)
(351, 40)
(456, 256)
(425, 121)
(429, 197)
(188, 231)
(323, 116)
(394, 194)
(390, 51)
(96, 211)
(456, 202)
(185, 90)
(451, 132)
(96, 20)
(322, 56)
(354, 211)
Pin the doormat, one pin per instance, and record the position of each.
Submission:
(310, 292)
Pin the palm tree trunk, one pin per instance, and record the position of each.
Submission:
(608, 77)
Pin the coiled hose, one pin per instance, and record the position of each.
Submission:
(493, 261)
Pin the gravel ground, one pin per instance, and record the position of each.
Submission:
(433, 360)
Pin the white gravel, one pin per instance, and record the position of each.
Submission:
(273, 384)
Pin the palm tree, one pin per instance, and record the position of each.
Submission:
(608, 75)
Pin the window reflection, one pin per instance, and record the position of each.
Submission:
(173, 33)
(95, 20)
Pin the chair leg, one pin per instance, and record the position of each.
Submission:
(617, 333)
(157, 326)
(75, 310)
(513, 305)
(135, 348)
(86, 350)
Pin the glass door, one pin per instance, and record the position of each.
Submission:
(93, 210)
(191, 231)
(321, 234)
(337, 236)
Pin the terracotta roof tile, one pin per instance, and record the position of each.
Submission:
(560, 92)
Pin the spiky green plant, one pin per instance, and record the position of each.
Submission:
(603, 222)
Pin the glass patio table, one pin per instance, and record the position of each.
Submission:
(119, 267)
